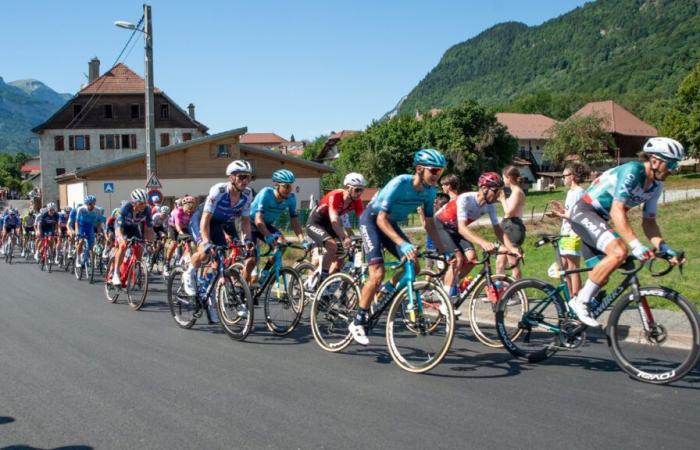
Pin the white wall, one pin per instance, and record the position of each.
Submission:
(75, 193)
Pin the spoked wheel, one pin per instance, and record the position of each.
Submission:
(111, 291)
(332, 310)
(309, 279)
(182, 307)
(137, 286)
(94, 261)
(50, 257)
(234, 304)
(655, 338)
(284, 297)
(419, 342)
(79, 270)
(8, 251)
(482, 310)
(536, 334)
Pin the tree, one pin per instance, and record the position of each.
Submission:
(583, 136)
(291, 139)
(314, 147)
(10, 173)
(683, 120)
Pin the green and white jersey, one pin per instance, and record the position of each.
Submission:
(624, 184)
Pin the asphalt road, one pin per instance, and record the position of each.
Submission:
(77, 371)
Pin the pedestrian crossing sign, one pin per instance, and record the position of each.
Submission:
(109, 188)
(153, 182)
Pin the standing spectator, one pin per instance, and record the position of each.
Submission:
(450, 185)
(512, 223)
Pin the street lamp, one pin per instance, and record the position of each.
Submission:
(150, 118)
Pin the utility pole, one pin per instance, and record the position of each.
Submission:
(151, 168)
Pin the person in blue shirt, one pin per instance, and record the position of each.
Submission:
(70, 224)
(378, 226)
(610, 197)
(47, 225)
(86, 219)
(132, 216)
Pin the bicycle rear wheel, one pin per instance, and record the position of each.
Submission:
(50, 255)
(535, 335)
(655, 338)
(419, 342)
(234, 304)
(284, 297)
(482, 310)
(183, 308)
(137, 286)
(332, 310)
(111, 291)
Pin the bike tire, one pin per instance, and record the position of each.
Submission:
(307, 272)
(137, 286)
(93, 267)
(50, 257)
(283, 304)
(234, 303)
(546, 309)
(482, 311)
(332, 312)
(661, 355)
(182, 307)
(111, 291)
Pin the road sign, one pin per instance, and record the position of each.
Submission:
(153, 183)
(155, 196)
(109, 188)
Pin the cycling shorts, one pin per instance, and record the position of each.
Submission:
(593, 229)
(320, 233)
(217, 230)
(514, 228)
(131, 231)
(10, 228)
(451, 239)
(374, 240)
(28, 230)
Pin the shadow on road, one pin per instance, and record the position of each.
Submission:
(5, 419)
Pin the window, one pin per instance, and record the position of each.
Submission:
(135, 111)
(164, 139)
(109, 141)
(79, 142)
(164, 111)
(58, 143)
(76, 110)
(223, 151)
(128, 141)
(108, 112)
(186, 137)
(60, 171)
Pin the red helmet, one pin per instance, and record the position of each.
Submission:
(490, 180)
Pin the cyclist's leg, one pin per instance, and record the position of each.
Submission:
(323, 239)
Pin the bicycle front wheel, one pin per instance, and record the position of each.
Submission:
(235, 305)
(284, 297)
(332, 310)
(182, 307)
(417, 341)
(655, 338)
(482, 310)
(137, 286)
(309, 279)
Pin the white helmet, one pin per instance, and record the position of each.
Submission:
(665, 148)
(239, 166)
(139, 195)
(165, 209)
(354, 179)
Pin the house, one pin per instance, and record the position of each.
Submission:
(532, 133)
(190, 167)
(105, 122)
(265, 140)
(629, 132)
(330, 151)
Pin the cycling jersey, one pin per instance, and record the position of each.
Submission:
(333, 201)
(398, 199)
(218, 203)
(465, 207)
(266, 203)
(11, 221)
(63, 219)
(87, 219)
(71, 217)
(28, 221)
(47, 222)
(129, 222)
(158, 219)
(624, 184)
(180, 217)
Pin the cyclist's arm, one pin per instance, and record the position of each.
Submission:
(384, 225)
(260, 224)
(618, 215)
(652, 231)
(471, 235)
(432, 232)
(296, 226)
(336, 223)
(245, 228)
(204, 226)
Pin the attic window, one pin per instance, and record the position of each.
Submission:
(223, 151)
(135, 111)
(76, 110)
(164, 111)
(108, 112)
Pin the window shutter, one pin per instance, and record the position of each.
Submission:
(102, 142)
(71, 142)
(87, 142)
(133, 141)
(117, 141)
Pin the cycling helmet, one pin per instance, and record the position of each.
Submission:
(283, 176)
(665, 148)
(490, 180)
(188, 199)
(165, 209)
(139, 195)
(51, 205)
(429, 157)
(12, 212)
(90, 199)
(115, 211)
(239, 166)
(354, 179)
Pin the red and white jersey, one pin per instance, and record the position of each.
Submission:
(465, 207)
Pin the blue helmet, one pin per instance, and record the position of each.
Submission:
(429, 157)
(283, 176)
(90, 199)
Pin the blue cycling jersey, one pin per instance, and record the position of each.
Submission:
(266, 203)
(87, 219)
(218, 203)
(624, 184)
(47, 220)
(398, 199)
(128, 218)
(10, 220)
(71, 217)
(63, 218)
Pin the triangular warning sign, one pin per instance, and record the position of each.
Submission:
(153, 182)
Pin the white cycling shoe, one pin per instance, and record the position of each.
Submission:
(189, 282)
(358, 333)
(581, 310)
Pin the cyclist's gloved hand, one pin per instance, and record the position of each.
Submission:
(406, 247)
(307, 245)
(207, 247)
(641, 251)
(668, 250)
(270, 238)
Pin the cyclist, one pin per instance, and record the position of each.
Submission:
(453, 222)
(212, 219)
(28, 226)
(109, 232)
(132, 215)
(609, 197)
(70, 224)
(47, 224)
(159, 219)
(86, 219)
(178, 224)
(379, 229)
(10, 225)
(325, 225)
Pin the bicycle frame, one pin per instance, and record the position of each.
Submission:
(136, 252)
(406, 280)
(219, 260)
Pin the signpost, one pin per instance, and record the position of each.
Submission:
(155, 196)
(109, 189)
(153, 182)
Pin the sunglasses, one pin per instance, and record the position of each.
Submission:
(358, 189)
(243, 176)
(285, 185)
(434, 170)
(672, 165)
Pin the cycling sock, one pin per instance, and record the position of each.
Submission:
(452, 291)
(589, 290)
(361, 317)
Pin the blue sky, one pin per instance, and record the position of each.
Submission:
(304, 67)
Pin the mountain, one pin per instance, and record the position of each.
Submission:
(23, 105)
(633, 51)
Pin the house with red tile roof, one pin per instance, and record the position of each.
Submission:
(531, 131)
(330, 151)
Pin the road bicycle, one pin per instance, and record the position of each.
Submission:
(653, 331)
(132, 273)
(28, 246)
(9, 247)
(47, 254)
(85, 261)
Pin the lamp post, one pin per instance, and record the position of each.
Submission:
(148, 79)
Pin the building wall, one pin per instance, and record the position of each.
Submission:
(75, 194)
(536, 146)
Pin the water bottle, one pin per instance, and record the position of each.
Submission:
(357, 260)
(464, 285)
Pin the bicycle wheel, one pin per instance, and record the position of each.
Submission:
(535, 335)
(8, 251)
(111, 291)
(482, 310)
(284, 297)
(49, 258)
(234, 304)
(137, 286)
(655, 338)
(182, 307)
(419, 342)
(309, 279)
(79, 270)
(332, 310)
(92, 267)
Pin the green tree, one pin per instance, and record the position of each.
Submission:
(583, 136)
(314, 147)
(683, 119)
(10, 173)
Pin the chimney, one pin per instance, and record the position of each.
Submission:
(190, 111)
(93, 69)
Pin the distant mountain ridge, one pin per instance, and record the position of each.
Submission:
(23, 105)
(633, 51)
